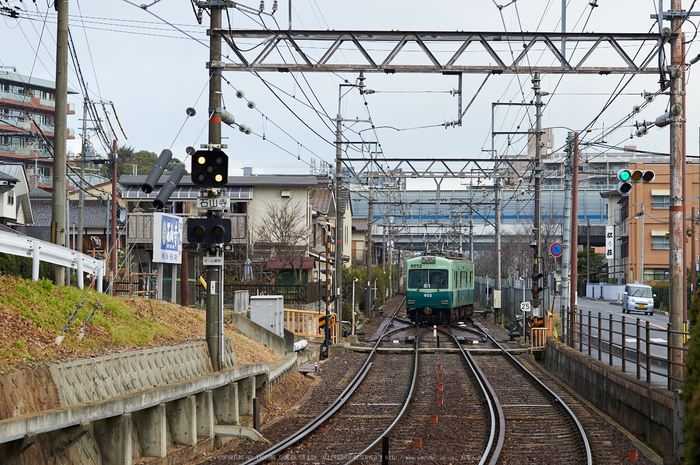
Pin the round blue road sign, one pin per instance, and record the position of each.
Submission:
(555, 249)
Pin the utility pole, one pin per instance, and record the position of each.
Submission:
(676, 216)
(497, 227)
(81, 220)
(537, 230)
(115, 244)
(574, 225)
(338, 225)
(214, 320)
(471, 226)
(566, 239)
(641, 252)
(692, 252)
(588, 250)
(368, 251)
(58, 200)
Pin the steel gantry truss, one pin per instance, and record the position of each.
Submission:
(444, 52)
(460, 168)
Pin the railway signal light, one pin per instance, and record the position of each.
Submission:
(154, 175)
(208, 230)
(209, 168)
(537, 289)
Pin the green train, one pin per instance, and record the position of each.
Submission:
(439, 289)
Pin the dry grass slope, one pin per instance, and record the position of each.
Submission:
(33, 314)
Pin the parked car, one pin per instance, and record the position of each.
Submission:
(638, 298)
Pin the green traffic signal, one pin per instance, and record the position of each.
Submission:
(624, 175)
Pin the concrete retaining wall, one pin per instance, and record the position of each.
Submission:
(258, 333)
(651, 413)
(116, 375)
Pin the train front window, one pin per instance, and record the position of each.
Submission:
(417, 279)
(427, 279)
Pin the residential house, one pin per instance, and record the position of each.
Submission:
(15, 208)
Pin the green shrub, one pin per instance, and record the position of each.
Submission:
(660, 288)
(691, 389)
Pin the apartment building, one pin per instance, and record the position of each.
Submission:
(27, 133)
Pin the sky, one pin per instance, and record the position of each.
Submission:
(150, 63)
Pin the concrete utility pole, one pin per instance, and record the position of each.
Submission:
(537, 169)
(641, 251)
(368, 251)
(58, 200)
(574, 225)
(566, 239)
(338, 225)
(214, 321)
(676, 216)
(692, 252)
(81, 220)
(115, 244)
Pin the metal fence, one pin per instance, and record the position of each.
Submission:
(511, 294)
(635, 346)
(294, 294)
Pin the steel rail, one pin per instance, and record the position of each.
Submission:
(400, 415)
(543, 388)
(330, 410)
(494, 451)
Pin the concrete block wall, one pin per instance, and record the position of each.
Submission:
(116, 375)
(645, 410)
(129, 405)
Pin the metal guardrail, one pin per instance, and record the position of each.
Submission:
(587, 333)
(38, 250)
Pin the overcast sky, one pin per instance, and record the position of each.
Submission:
(150, 63)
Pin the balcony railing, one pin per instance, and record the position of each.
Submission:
(19, 122)
(16, 97)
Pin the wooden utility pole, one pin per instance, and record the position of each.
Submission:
(58, 200)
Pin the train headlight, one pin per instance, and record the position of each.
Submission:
(411, 302)
(444, 302)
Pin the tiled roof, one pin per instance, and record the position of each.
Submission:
(36, 193)
(286, 180)
(277, 263)
(321, 200)
(7, 177)
(94, 213)
(359, 223)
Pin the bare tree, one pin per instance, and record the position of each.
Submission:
(283, 228)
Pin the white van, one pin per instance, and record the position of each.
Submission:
(638, 298)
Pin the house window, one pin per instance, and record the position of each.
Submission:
(660, 201)
(660, 242)
(10, 198)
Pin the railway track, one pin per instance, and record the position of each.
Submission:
(379, 396)
(539, 426)
(434, 406)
